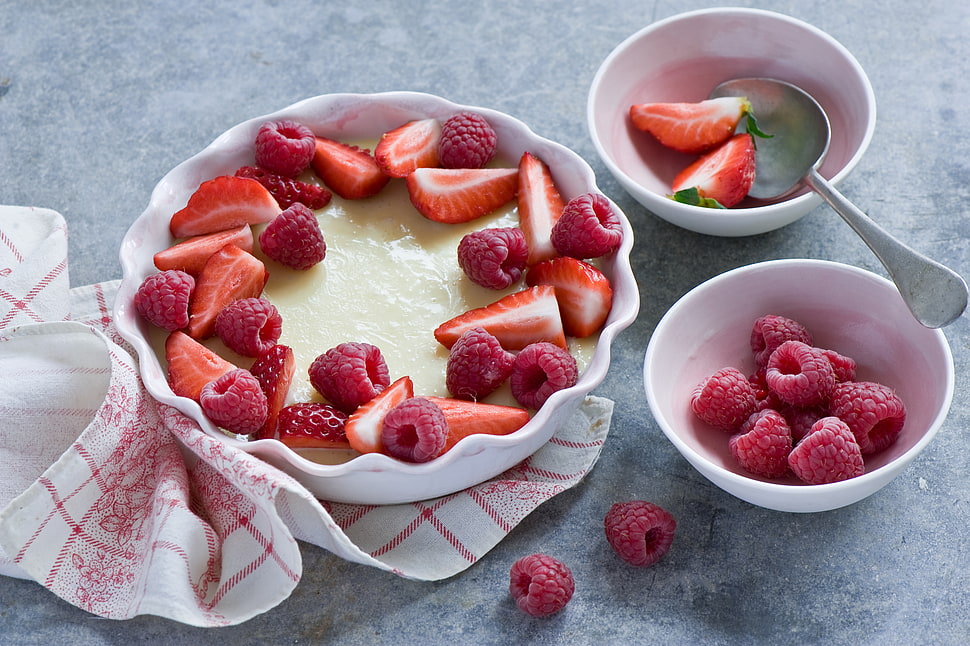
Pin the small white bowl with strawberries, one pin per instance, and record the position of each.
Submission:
(391, 297)
(797, 385)
(689, 158)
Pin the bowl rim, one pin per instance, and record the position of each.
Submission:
(128, 323)
(794, 491)
(804, 200)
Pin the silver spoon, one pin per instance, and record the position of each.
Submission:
(935, 295)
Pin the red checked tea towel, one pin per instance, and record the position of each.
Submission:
(123, 506)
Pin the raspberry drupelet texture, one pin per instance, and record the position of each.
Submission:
(293, 238)
(800, 374)
(493, 258)
(873, 412)
(539, 370)
(235, 402)
(163, 299)
(725, 399)
(350, 374)
(414, 431)
(843, 366)
(287, 190)
(477, 365)
(249, 326)
(587, 228)
(284, 147)
(829, 453)
(762, 444)
(467, 141)
(770, 331)
(541, 585)
(640, 532)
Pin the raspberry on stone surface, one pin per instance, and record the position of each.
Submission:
(770, 331)
(235, 402)
(762, 444)
(800, 374)
(587, 228)
(467, 141)
(477, 365)
(724, 400)
(873, 412)
(541, 585)
(350, 374)
(293, 238)
(163, 299)
(414, 431)
(640, 532)
(829, 453)
(249, 326)
(284, 147)
(539, 370)
(495, 257)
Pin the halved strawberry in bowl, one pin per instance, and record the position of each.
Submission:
(224, 202)
(349, 171)
(408, 147)
(540, 205)
(691, 127)
(584, 293)
(720, 178)
(455, 195)
(229, 274)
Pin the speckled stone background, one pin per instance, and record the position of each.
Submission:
(98, 100)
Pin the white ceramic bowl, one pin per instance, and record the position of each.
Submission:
(848, 310)
(682, 58)
(372, 478)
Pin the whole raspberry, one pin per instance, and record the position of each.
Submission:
(764, 398)
(725, 399)
(770, 331)
(312, 424)
(163, 299)
(235, 402)
(493, 258)
(800, 374)
(640, 532)
(762, 445)
(587, 228)
(467, 141)
(414, 431)
(286, 190)
(801, 418)
(539, 370)
(293, 238)
(540, 584)
(873, 412)
(829, 453)
(349, 375)
(843, 366)
(477, 365)
(249, 326)
(284, 147)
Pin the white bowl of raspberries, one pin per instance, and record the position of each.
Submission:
(797, 385)
(233, 232)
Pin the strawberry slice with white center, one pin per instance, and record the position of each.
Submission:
(191, 365)
(364, 425)
(540, 206)
(691, 127)
(228, 275)
(516, 320)
(584, 293)
(349, 171)
(405, 148)
(191, 255)
(467, 417)
(721, 178)
(225, 202)
(455, 195)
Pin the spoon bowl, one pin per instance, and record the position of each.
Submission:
(799, 136)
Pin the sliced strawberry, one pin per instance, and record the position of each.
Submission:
(364, 425)
(516, 320)
(225, 202)
(228, 275)
(313, 425)
(274, 371)
(190, 255)
(349, 171)
(468, 417)
(584, 293)
(691, 127)
(724, 175)
(454, 195)
(191, 365)
(413, 145)
(540, 206)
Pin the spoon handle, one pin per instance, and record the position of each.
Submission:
(935, 294)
